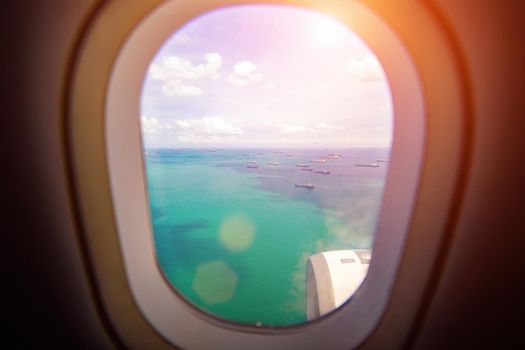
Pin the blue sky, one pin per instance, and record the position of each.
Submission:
(265, 76)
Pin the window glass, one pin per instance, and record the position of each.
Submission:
(266, 132)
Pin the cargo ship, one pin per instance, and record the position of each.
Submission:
(307, 185)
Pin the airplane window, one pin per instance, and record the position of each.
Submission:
(266, 133)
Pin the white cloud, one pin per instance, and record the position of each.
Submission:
(367, 69)
(175, 87)
(207, 130)
(244, 72)
(208, 126)
(218, 131)
(149, 124)
(176, 68)
(152, 126)
(173, 71)
(204, 130)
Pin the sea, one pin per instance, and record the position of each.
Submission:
(233, 233)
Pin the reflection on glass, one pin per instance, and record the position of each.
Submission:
(267, 133)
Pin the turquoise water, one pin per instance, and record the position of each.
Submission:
(235, 240)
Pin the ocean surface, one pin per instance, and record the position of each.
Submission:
(234, 240)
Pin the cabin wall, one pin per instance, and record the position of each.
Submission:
(49, 296)
(480, 284)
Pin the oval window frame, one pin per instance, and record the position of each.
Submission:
(353, 322)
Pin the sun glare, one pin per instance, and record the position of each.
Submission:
(327, 31)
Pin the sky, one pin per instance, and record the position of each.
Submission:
(265, 76)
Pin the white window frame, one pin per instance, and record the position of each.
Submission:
(170, 314)
(167, 311)
(431, 143)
